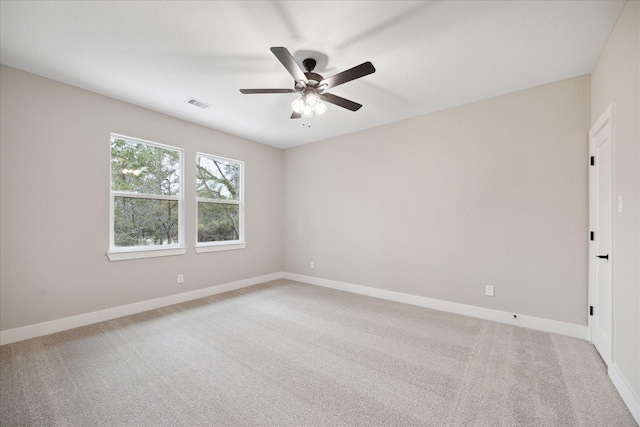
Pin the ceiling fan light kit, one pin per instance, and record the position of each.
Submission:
(312, 86)
(308, 105)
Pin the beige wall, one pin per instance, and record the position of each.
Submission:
(616, 79)
(491, 193)
(55, 204)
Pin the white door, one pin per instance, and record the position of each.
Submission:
(600, 219)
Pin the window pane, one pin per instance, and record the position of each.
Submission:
(145, 222)
(217, 179)
(144, 169)
(217, 222)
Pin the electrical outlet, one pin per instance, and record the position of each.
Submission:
(488, 290)
(312, 265)
(180, 278)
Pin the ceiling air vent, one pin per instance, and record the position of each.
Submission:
(198, 103)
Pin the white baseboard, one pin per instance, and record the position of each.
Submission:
(546, 325)
(625, 391)
(46, 328)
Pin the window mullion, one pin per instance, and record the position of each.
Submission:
(220, 201)
(144, 196)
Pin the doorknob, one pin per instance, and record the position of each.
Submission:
(603, 256)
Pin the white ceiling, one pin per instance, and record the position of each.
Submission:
(429, 55)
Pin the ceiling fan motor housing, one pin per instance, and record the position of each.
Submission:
(313, 78)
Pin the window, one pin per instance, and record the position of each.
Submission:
(146, 199)
(219, 203)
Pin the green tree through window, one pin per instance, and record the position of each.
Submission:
(146, 193)
(218, 187)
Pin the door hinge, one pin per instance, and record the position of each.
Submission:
(593, 160)
(592, 235)
(590, 310)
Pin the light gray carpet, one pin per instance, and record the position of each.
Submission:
(289, 354)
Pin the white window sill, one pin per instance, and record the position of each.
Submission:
(145, 253)
(215, 247)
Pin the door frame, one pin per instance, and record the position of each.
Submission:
(605, 118)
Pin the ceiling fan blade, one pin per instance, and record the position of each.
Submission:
(295, 115)
(348, 75)
(340, 102)
(248, 91)
(289, 63)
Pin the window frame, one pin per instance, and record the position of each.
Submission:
(225, 245)
(118, 253)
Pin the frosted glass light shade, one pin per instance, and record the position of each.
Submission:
(298, 104)
(312, 99)
(320, 108)
(307, 111)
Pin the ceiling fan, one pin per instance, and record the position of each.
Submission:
(312, 87)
